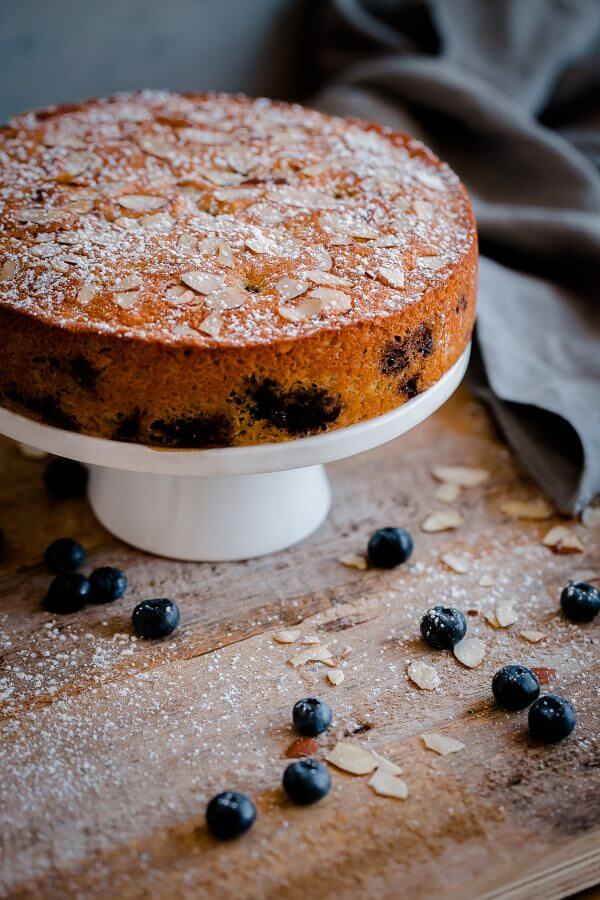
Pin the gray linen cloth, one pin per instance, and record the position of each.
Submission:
(508, 93)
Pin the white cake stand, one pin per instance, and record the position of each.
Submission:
(227, 504)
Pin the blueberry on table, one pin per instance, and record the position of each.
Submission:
(107, 584)
(443, 626)
(515, 687)
(580, 601)
(65, 478)
(388, 547)
(63, 555)
(155, 618)
(230, 814)
(306, 781)
(551, 718)
(311, 716)
(67, 593)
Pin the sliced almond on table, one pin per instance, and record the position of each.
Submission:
(447, 492)
(462, 476)
(442, 744)
(457, 564)
(387, 785)
(526, 509)
(442, 520)
(423, 675)
(386, 765)
(351, 758)
(534, 637)
(310, 640)
(561, 540)
(140, 202)
(470, 652)
(287, 635)
(590, 516)
(506, 614)
(335, 676)
(354, 561)
(318, 653)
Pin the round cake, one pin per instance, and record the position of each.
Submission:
(206, 270)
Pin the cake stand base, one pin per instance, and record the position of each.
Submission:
(224, 504)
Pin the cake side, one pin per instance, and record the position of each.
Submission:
(295, 273)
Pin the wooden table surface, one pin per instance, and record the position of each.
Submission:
(111, 747)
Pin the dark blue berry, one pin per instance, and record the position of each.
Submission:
(306, 781)
(65, 478)
(230, 814)
(107, 584)
(443, 627)
(311, 716)
(551, 718)
(67, 593)
(389, 547)
(515, 687)
(63, 555)
(580, 601)
(155, 618)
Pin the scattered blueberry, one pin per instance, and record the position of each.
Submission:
(63, 555)
(551, 718)
(515, 687)
(155, 618)
(306, 781)
(230, 814)
(311, 716)
(580, 601)
(388, 547)
(443, 627)
(67, 593)
(107, 584)
(65, 478)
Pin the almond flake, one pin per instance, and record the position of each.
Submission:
(201, 136)
(63, 140)
(326, 278)
(331, 299)
(9, 267)
(59, 264)
(45, 251)
(225, 180)
(423, 675)
(127, 299)
(534, 637)
(462, 476)
(388, 785)
(335, 676)
(307, 198)
(225, 256)
(305, 310)
(289, 288)
(318, 653)
(351, 758)
(287, 636)
(128, 283)
(506, 614)
(180, 296)
(187, 243)
(159, 222)
(456, 563)
(423, 209)
(447, 493)
(394, 278)
(155, 145)
(212, 324)
(442, 744)
(470, 652)
(386, 765)
(526, 509)
(387, 240)
(442, 520)
(486, 581)
(201, 282)
(228, 298)
(322, 258)
(241, 159)
(561, 540)
(590, 516)
(140, 202)
(430, 262)
(363, 232)
(354, 561)
(429, 179)
(490, 618)
(310, 640)
(87, 292)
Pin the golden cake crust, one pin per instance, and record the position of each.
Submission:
(211, 270)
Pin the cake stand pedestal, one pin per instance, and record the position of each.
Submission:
(225, 504)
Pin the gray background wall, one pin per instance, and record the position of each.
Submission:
(53, 51)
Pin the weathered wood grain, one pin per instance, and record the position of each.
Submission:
(110, 747)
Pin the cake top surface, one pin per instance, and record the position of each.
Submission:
(219, 219)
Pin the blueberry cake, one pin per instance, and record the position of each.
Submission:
(203, 270)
